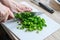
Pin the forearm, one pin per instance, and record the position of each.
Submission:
(6, 2)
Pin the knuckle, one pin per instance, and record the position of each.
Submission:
(7, 8)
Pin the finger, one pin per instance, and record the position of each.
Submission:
(19, 10)
(6, 16)
(1, 16)
(11, 14)
(1, 19)
(25, 8)
(14, 10)
(28, 9)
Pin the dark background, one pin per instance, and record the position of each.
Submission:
(3, 34)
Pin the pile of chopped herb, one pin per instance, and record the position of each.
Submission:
(30, 21)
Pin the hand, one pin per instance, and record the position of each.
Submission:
(5, 13)
(15, 7)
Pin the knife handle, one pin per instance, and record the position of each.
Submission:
(46, 8)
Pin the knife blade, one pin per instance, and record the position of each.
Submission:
(36, 13)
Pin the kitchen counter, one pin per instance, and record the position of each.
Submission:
(55, 16)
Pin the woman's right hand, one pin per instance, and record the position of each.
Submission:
(5, 13)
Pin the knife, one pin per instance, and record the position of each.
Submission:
(43, 6)
(16, 19)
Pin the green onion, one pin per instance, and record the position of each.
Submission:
(30, 21)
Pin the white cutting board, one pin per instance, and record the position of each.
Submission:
(52, 26)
